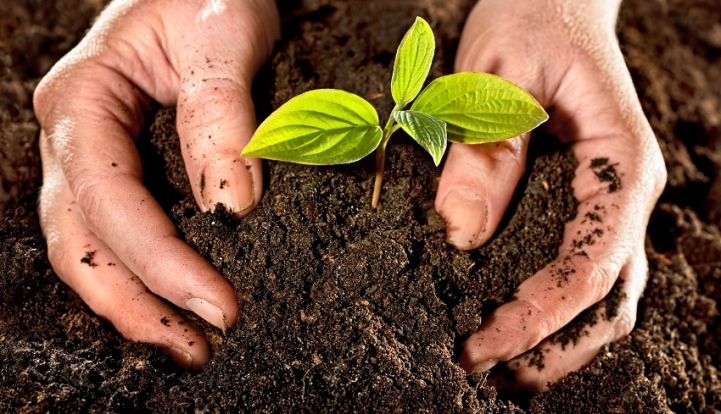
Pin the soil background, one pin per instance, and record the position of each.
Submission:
(347, 309)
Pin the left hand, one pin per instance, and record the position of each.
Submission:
(107, 237)
(566, 54)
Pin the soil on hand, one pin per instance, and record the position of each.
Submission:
(349, 309)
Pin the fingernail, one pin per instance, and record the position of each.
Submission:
(228, 181)
(207, 311)
(181, 357)
(465, 213)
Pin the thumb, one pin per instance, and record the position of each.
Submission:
(216, 115)
(216, 119)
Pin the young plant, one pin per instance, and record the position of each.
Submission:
(330, 126)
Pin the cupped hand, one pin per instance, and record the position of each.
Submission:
(565, 53)
(107, 237)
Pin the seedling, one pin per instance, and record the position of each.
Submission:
(330, 126)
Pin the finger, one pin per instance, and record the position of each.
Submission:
(554, 358)
(545, 302)
(476, 186)
(611, 216)
(107, 286)
(478, 181)
(216, 115)
(216, 119)
(99, 159)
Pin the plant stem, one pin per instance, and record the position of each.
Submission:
(380, 165)
(390, 128)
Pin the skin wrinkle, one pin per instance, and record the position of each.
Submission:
(541, 331)
(602, 278)
(92, 206)
(613, 263)
(252, 25)
(617, 328)
(94, 43)
(80, 174)
(587, 57)
(124, 107)
(170, 92)
(205, 115)
(60, 141)
(52, 235)
(127, 60)
(513, 149)
(583, 31)
(637, 152)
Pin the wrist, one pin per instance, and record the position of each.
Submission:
(533, 42)
(573, 9)
(574, 18)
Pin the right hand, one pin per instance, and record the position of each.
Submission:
(107, 237)
(565, 52)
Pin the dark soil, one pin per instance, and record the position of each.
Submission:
(347, 309)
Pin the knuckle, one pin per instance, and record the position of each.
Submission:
(41, 97)
(660, 175)
(542, 327)
(212, 101)
(60, 78)
(510, 150)
(538, 334)
(58, 254)
(655, 166)
(91, 203)
(46, 94)
(599, 280)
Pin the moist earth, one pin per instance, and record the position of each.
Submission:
(349, 309)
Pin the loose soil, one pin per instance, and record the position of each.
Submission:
(349, 309)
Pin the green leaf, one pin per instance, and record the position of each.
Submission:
(427, 130)
(480, 107)
(320, 127)
(413, 61)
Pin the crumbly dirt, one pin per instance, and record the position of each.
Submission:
(350, 309)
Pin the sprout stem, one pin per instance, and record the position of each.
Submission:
(390, 128)
(380, 165)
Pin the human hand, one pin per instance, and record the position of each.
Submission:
(107, 237)
(566, 54)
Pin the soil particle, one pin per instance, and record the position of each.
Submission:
(88, 259)
(606, 173)
(350, 309)
(605, 310)
(594, 216)
(536, 358)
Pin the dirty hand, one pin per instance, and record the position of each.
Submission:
(107, 237)
(565, 53)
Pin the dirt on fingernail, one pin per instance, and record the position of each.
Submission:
(345, 308)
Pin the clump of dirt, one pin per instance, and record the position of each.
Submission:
(350, 309)
(606, 173)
